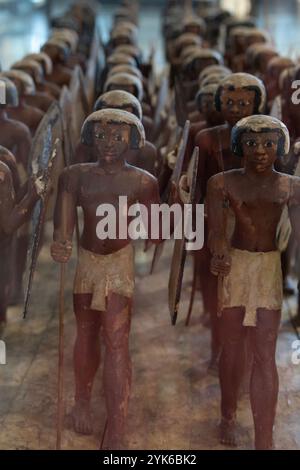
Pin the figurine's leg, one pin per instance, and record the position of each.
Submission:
(5, 282)
(86, 360)
(117, 368)
(231, 369)
(264, 378)
(21, 248)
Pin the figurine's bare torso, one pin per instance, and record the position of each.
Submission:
(88, 185)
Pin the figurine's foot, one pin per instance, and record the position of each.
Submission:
(228, 432)
(82, 419)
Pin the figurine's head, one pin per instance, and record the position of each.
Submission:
(24, 83)
(213, 69)
(32, 68)
(130, 50)
(125, 69)
(119, 59)
(66, 21)
(68, 36)
(121, 37)
(205, 100)
(188, 51)
(256, 36)
(260, 140)
(186, 40)
(237, 39)
(213, 79)
(112, 132)
(277, 65)
(194, 24)
(128, 26)
(42, 59)
(240, 95)
(125, 82)
(262, 56)
(57, 50)
(194, 64)
(9, 93)
(119, 99)
(258, 56)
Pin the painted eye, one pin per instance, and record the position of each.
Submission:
(229, 102)
(118, 138)
(251, 143)
(100, 136)
(269, 143)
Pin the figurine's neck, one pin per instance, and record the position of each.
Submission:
(111, 167)
(259, 175)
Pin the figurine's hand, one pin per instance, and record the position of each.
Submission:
(171, 159)
(61, 251)
(220, 265)
(297, 148)
(184, 190)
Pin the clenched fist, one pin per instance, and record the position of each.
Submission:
(61, 251)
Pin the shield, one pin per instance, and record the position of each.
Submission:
(167, 194)
(46, 154)
(179, 253)
(180, 104)
(93, 70)
(162, 98)
(79, 104)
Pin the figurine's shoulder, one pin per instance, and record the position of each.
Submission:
(210, 135)
(20, 129)
(71, 176)
(227, 178)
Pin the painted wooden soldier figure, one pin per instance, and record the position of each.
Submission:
(239, 95)
(145, 158)
(28, 114)
(15, 136)
(59, 52)
(249, 268)
(46, 86)
(104, 281)
(15, 209)
(40, 99)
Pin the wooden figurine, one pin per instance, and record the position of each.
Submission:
(104, 281)
(250, 299)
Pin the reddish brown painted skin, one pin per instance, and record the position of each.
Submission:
(257, 213)
(14, 211)
(29, 115)
(89, 185)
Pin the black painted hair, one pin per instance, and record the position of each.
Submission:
(237, 133)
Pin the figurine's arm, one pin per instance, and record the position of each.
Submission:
(13, 215)
(149, 194)
(24, 145)
(217, 240)
(202, 141)
(64, 216)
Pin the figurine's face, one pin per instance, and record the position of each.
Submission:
(52, 52)
(260, 150)
(193, 28)
(237, 104)
(111, 141)
(121, 41)
(207, 104)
